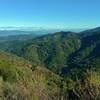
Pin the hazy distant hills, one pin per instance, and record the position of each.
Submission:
(6, 31)
(15, 40)
(15, 32)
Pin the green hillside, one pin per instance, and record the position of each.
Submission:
(63, 50)
(88, 56)
(59, 66)
(51, 51)
(19, 82)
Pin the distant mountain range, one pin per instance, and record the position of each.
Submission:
(6, 31)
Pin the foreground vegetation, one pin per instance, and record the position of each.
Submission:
(20, 83)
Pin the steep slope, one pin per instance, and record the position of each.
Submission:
(87, 57)
(19, 82)
(14, 74)
(64, 52)
(14, 60)
(88, 54)
(90, 32)
(51, 51)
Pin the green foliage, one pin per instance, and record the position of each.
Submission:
(51, 51)
(63, 66)
(20, 83)
(87, 89)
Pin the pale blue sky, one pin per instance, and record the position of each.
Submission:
(50, 13)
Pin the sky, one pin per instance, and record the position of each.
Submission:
(50, 13)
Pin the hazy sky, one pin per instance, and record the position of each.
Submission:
(50, 13)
